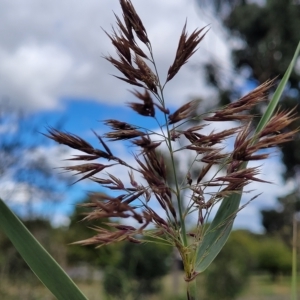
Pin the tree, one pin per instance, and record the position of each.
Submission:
(278, 222)
(138, 271)
(274, 257)
(24, 163)
(80, 230)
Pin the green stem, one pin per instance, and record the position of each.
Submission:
(169, 144)
(182, 223)
(192, 290)
(294, 261)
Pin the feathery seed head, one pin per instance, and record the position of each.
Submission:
(214, 173)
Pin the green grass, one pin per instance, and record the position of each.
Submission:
(260, 287)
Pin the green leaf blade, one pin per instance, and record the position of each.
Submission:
(278, 93)
(37, 258)
(218, 232)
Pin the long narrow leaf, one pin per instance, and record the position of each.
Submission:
(220, 228)
(276, 97)
(218, 232)
(37, 258)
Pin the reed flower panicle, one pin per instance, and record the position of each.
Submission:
(208, 151)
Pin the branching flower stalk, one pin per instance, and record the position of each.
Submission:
(138, 201)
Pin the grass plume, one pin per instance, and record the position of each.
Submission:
(180, 199)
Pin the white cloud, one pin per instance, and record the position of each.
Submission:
(60, 219)
(17, 193)
(34, 73)
(53, 49)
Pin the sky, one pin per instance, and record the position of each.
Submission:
(52, 68)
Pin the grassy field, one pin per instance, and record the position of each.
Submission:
(260, 288)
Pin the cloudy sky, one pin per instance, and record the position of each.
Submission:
(52, 50)
(52, 67)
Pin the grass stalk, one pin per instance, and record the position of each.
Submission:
(294, 261)
(192, 291)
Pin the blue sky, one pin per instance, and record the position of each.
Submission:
(51, 67)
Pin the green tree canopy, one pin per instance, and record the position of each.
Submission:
(81, 230)
(278, 222)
